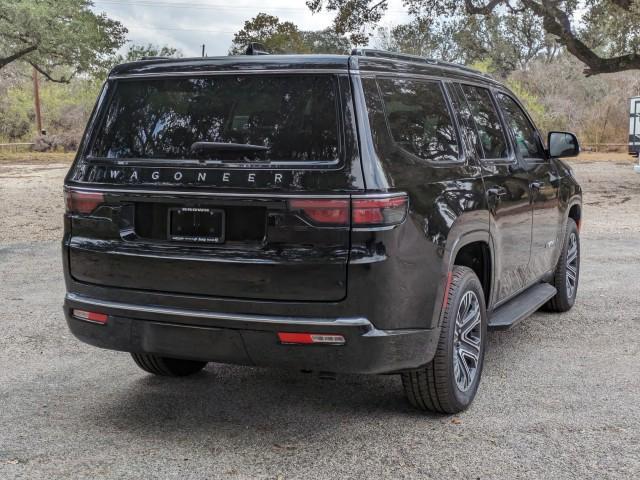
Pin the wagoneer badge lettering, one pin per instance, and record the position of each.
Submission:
(146, 175)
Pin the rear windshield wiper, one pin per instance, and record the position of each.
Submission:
(227, 147)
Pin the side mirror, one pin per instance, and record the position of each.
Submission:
(563, 144)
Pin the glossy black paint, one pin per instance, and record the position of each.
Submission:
(394, 278)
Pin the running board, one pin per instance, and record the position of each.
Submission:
(521, 307)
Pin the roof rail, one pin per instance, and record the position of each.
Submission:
(160, 57)
(370, 52)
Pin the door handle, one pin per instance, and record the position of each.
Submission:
(497, 192)
(536, 185)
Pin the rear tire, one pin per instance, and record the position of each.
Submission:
(565, 278)
(166, 366)
(448, 384)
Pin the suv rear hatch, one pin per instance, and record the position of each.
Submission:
(231, 185)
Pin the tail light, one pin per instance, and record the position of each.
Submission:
(379, 212)
(365, 212)
(82, 202)
(323, 211)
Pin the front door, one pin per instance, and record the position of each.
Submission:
(543, 185)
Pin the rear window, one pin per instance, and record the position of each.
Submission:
(226, 118)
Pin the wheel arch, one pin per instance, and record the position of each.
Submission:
(463, 251)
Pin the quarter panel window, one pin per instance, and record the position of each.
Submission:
(419, 119)
(527, 139)
(485, 116)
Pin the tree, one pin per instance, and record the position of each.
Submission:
(602, 34)
(286, 37)
(137, 52)
(59, 38)
(276, 36)
(422, 37)
(325, 41)
(505, 42)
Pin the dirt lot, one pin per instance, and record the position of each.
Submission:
(559, 398)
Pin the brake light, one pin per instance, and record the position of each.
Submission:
(379, 212)
(365, 211)
(310, 338)
(323, 211)
(94, 317)
(82, 202)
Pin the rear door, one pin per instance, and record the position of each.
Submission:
(222, 185)
(543, 185)
(507, 187)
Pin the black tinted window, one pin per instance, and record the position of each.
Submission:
(294, 117)
(527, 139)
(492, 138)
(419, 119)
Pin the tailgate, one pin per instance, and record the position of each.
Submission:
(269, 249)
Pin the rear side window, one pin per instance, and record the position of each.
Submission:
(526, 136)
(273, 118)
(487, 121)
(419, 119)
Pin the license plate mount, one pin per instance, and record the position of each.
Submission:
(196, 224)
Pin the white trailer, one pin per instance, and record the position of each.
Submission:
(634, 130)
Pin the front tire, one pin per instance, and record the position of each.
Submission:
(448, 384)
(567, 273)
(166, 366)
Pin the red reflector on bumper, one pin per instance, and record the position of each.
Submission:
(90, 316)
(310, 338)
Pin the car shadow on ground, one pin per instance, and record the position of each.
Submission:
(226, 399)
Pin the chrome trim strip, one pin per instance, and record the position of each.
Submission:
(235, 194)
(373, 194)
(233, 317)
(261, 71)
(205, 194)
(197, 164)
(465, 78)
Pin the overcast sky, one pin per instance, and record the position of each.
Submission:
(187, 25)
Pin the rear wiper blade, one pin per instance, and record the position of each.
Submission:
(227, 147)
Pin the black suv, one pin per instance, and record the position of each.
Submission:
(371, 213)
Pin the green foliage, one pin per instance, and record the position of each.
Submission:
(137, 52)
(65, 108)
(604, 34)
(326, 41)
(423, 37)
(611, 30)
(276, 36)
(507, 42)
(60, 38)
(285, 37)
(533, 105)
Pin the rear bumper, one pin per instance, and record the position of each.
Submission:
(250, 339)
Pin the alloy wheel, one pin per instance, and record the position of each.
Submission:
(467, 341)
(572, 265)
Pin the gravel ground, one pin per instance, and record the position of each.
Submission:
(559, 395)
